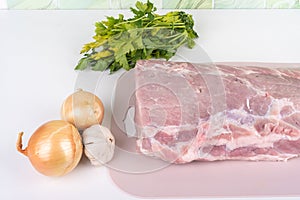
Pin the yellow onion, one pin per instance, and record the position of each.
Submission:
(83, 109)
(54, 149)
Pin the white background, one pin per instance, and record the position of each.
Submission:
(3, 4)
(39, 50)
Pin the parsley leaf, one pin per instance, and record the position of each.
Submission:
(119, 43)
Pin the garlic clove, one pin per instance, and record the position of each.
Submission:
(99, 144)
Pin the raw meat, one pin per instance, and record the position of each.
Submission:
(186, 112)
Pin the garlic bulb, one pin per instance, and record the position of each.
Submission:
(54, 149)
(99, 144)
(83, 109)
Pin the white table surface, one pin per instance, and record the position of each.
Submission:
(39, 50)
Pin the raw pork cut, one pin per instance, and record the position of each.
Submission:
(186, 112)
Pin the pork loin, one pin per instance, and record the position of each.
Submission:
(186, 112)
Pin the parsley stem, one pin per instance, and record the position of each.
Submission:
(182, 41)
(117, 29)
(130, 21)
(158, 25)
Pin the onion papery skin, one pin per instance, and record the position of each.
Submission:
(54, 149)
(83, 109)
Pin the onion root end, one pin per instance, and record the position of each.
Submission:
(19, 145)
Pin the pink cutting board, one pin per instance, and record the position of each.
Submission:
(214, 179)
(146, 177)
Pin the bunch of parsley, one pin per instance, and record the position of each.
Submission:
(119, 43)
